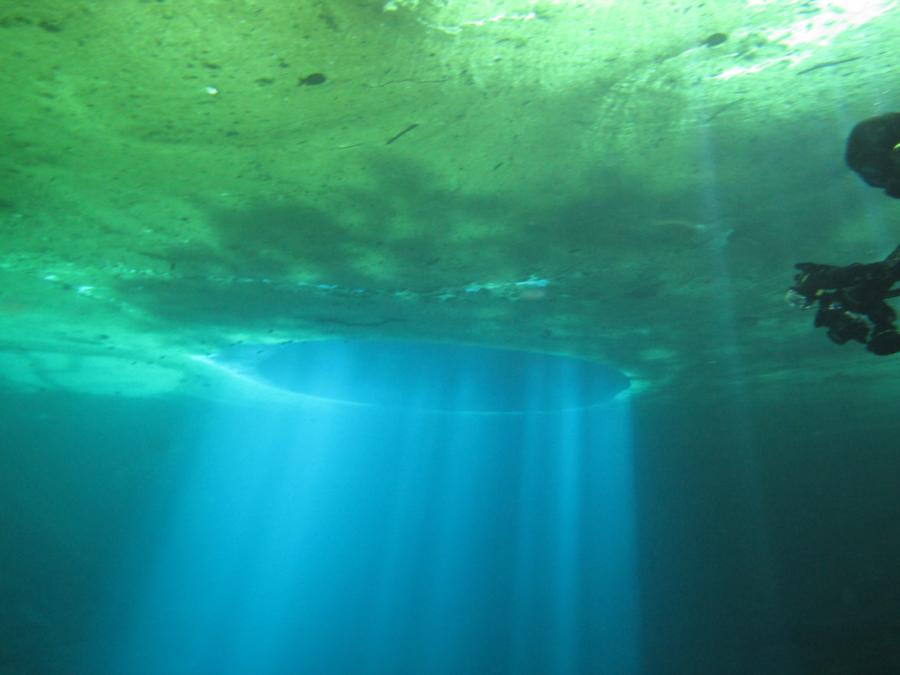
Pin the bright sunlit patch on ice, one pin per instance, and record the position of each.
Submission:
(816, 27)
(831, 19)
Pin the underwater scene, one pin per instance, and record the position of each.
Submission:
(449, 337)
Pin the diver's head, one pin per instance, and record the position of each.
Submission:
(873, 151)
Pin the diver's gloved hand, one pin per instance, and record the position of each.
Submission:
(810, 279)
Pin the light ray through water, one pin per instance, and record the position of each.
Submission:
(323, 538)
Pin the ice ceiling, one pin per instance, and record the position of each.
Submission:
(628, 182)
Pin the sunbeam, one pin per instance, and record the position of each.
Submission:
(317, 537)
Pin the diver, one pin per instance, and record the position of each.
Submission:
(845, 295)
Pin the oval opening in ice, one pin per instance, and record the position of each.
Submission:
(428, 375)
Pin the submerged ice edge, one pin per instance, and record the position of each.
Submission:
(83, 280)
(290, 397)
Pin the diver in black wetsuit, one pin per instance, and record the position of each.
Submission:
(846, 294)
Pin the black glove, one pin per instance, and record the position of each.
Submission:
(808, 281)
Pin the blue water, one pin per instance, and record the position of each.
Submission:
(700, 536)
(314, 536)
(328, 540)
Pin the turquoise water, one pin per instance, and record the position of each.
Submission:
(321, 538)
(187, 537)
(616, 180)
